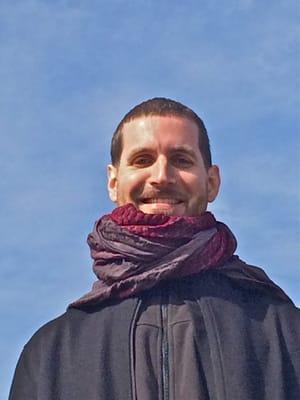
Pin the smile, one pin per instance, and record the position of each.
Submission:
(161, 201)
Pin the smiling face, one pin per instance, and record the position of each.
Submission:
(161, 169)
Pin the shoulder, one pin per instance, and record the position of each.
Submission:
(78, 323)
(53, 331)
(239, 286)
(253, 279)
(262, 299)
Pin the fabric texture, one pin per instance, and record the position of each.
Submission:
(191, 333)
(133, 251)
(243, 343)
(212, 320)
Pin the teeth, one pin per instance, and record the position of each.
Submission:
(161, 201)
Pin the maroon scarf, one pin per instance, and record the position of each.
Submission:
(133, 251)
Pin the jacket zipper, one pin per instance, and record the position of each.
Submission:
(131, 348)
(165, 347)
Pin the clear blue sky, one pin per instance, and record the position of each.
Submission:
(69, 70)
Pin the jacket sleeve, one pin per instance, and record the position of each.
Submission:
(24, 380)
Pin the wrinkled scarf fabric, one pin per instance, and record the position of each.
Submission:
(133, 251)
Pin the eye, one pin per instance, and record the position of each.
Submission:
(181, 161)
(143, 160)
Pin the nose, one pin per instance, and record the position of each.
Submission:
(162, 173)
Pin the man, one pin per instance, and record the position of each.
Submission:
(174, 313)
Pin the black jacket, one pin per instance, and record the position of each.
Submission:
(247, 349)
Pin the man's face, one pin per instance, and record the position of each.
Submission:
(161, 170)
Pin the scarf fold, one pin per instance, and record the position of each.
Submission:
(133, 251)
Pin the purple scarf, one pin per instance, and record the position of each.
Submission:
(133, 251)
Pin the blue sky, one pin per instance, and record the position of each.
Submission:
(69, 70)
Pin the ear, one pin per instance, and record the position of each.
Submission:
(213, 183)
(112, 182)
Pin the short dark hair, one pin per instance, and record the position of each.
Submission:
(160, 106)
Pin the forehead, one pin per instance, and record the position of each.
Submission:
(160, 132)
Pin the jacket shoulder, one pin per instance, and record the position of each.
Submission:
(76, 322)
(68, 353)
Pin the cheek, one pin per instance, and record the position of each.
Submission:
(131, 181)
(192, 182)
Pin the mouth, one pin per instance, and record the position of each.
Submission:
(162, 204)
(159, 200)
